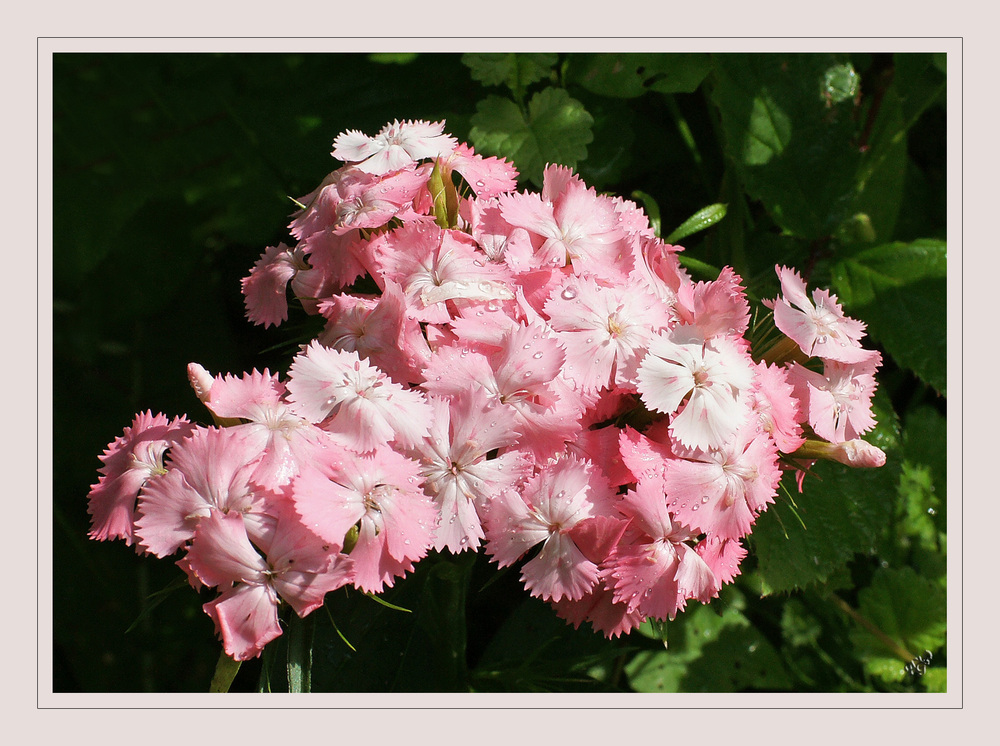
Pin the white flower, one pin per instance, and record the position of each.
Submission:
(711, 373)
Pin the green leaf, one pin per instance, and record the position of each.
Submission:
(704, 218)
(536, 651)
(710, 652)
(918, 505)
(794, 150)
(900, 290)
(798, 626)
(556, 129)
(394, 651)
(908, 608)
(393, 58)
(516, 71)
(843, 510)
(936, 680)
(625, 75)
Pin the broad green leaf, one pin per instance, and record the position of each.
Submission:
(612, 152)
(915, 85)
(925, 442)
(899, 289)
(793, 147)
(936, 680)
(556, 129)
(907, 608)
(627, 75)
(843, 510)
(515, 70)
(918, 505)
(798, 626)
(710, 652)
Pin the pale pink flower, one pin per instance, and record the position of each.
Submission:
(656, 571)
(396, 146)
(380, 493)
(605, 330)
(354, 400)
(600, 447)
(285, 440)
(265, 288)
(573, 226)
(838, 400)
(545, 511)
(718, 307)
(334, 262)
(723, 557)
(819, 326)
(775, 407)
(597, 537)
(599, 607)
(434, 266)
(298, 568)
(500, 241)
(379, 330)
(657, 268)
(522, 375)
(455, 467)
(129, 461)
(487, 177)
(645, 457)
(720, 492)
(209, 471)
(709, 377)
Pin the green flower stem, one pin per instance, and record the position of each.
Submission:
(225, 671)
(300, 644)
(898, 650)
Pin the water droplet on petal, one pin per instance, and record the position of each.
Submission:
(537, 356)
(568, 293)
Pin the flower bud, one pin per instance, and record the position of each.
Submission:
(857, 453)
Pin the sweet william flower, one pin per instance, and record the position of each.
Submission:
(129, 461)
(209, 471)
(354, 400)
(256, 402)
(702, 380)
(396, 146)
(605, 330)
(721, 491)
(839, 401)
(571, 223)
(379, 493)
(297, 567)
(819, 325)
(457, 471)
(654, 570)
(551, 504)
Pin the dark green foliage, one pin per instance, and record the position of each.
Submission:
(172, 174)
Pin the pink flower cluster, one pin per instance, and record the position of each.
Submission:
(537, 375)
